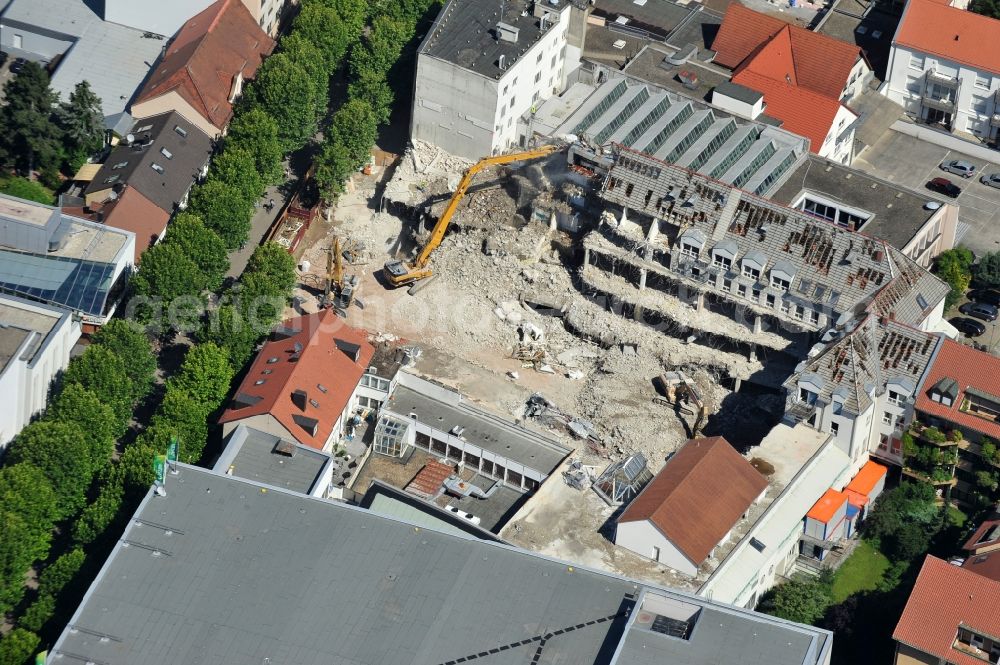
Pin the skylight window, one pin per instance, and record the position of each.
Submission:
(119, 165)
(156, 167)
(108, 181)
(166, 153)
(144, 128)
(180, 130)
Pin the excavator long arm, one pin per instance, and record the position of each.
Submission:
(397, 273)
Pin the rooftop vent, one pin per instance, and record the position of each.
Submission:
(502, 62)
(310, 425)
(457, 430)
(505, 32)
(300, 398)
(284, 448)
(350, 349)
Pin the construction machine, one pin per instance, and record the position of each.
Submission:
(680, 391)
(398, 273)
(339, 291)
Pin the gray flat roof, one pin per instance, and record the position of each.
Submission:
(897, 212)
(649, 66)
(482, 429)
(658, 17)
(252, 454)
(221, 571)
(463, 33)
(737, 91)
(18, 320)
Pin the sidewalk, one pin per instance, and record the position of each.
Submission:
(261, 222)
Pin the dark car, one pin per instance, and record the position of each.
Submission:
(968, 327)
(18, 65)
(988, 296)
(980, 310)
(944, 186)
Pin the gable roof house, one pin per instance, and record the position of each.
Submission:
(204, 68)
(806, 78)
(302, 384)
(691, 505)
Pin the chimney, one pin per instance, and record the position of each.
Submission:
(300, 398)
(879, 255)
(502, 63)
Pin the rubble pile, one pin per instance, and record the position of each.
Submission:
(424, 171)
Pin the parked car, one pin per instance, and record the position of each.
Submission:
(991, 180)
(959, 167)
(968, 327)
(988, 296)
(18, 65)
(980, 310)
(944, 186)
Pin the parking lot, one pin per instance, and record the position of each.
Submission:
(911, 162)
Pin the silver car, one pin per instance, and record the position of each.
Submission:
(993, 180)
(959, 167)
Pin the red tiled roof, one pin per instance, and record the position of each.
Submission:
(950, 33)
(320, 363)
(973, 543)
(131, 211)
(970, 369)
(801, 111)
(827, 506)
(774, 48)
(430, 479)
(944, 597)
(987, 565)
(698, 496)
(203, 60)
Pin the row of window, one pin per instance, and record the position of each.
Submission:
(983, 81)
(484, 466)
(639, 167)
(798, 312)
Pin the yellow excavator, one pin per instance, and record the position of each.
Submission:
(342, 286)
(399, 274)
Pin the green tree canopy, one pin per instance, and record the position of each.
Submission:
(352, 12)
(910, 502)
(272, 261)
(373, 87)
(99, 515)
(333, 166)
(302, 52)
(325, 28)
(167, 273)
(81, 119)
(989, 8)
(136, 465)
(31, 139)
(228, 329)
(988, 270)
(182, 416)
(802, 602)
(129, 342)
(103, 373)
(202, 245)
(25, 491)
(286, 92)
(58, 574)
(61, 452)
(224, 210)
(17, 553)
(381, 48)
(27, 189)
(954, 267)
(80, 407)
(354, 126)
(237, 167)
(17, 646)
(257, 132)
(204, 376)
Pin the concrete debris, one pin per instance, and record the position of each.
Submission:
(575, 374)
(546, 369)
(514, 375)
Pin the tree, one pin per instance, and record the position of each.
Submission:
(237, 168)
(301, 51)
(61, 452)
(954, 267)
(354, 126)
(908, 542)
(99, 515)
(989, 8)
(374, 88)
(204, 376)
(17, 646)
(127, 341)
(802, 602)
(81, 119)
(103, 373)
(202, 245)
(182, 416)
(333, 167)
(38, 613)
(136, 465)
(31, 138)
(167, 273)
(352, 12)
(286, 92)
(23, 188)
(988, 270)
(26, 492)
(81, 408)
(278, 266)
(228, 329)
(381, 48)
(325, 28)
(257, 132)
(224, 210)
(16, 556)
(61, 572)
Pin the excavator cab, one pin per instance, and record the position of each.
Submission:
(394, 269)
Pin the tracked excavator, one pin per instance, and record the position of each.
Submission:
(398, 273)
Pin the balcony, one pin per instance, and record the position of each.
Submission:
(936, 77)
(940, 103)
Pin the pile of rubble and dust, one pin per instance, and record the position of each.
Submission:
(424, 171)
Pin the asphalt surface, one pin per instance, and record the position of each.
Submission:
(912, 163)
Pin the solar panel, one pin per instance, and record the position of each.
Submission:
(668, 626)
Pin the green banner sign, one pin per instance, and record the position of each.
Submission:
(172, 450)
(160, 468)
(40, 658)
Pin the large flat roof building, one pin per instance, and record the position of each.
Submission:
(220, 570)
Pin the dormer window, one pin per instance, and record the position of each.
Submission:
(237, 87)
(722, 261)
(944, 392)
(807, 396)
(688, 249)
(751, 272)
(779, 283)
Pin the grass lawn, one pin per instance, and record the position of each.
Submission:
(861, 572)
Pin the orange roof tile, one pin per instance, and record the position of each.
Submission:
(948, 32)
(944, 597)
(203, 60)
(827, 506)
(813, 60)
(971, 369)
(867, 478)
(430, 479)
(307, 359)
(698, 496)
(131, 211)
(801, 111)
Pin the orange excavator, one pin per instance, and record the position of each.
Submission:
(398, 273)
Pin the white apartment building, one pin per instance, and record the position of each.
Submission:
(166, 18)
(944, 68)
(479, 71)
(35, 341)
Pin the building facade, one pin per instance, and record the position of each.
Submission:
(500, 72)
(947, 77)
(166, 18)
